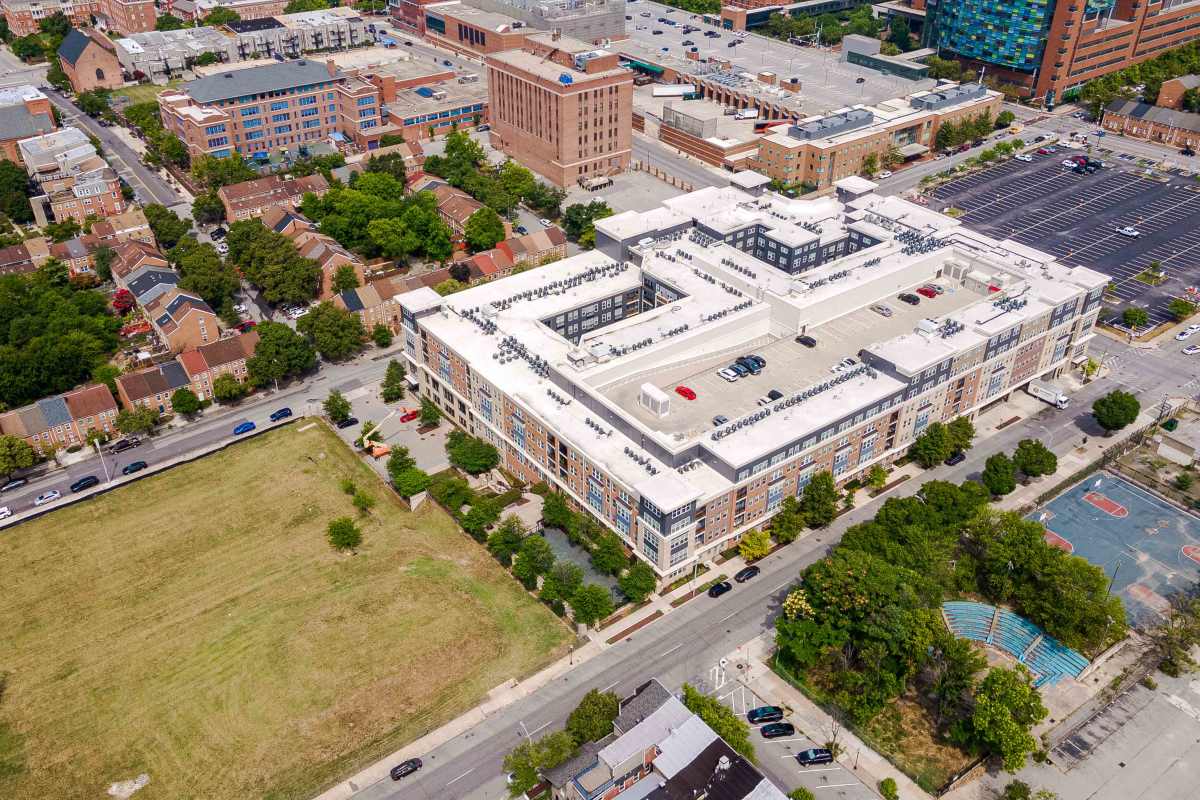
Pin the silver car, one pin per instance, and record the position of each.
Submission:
(881, 310)
(728, 374)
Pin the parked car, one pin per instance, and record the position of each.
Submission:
(728, 374)
(405, 768)
(1191, 349)
(282, 413)
(222, 248)
(925, 291)
(1186, 333)
(757, 716)
(545, 222)
(752, 365)
(239, 308)
(218, 233)
(1043, 151)
(347, 423)
(409, 416)
(910, 298)
(770, 397)
(806, 340)
(1039, 138)
(685, 393)
(521, 229)
(746, 574)
(5, 512)
(15, 483)
(937, 287)
(740, 369)
(1187, 151)
(1129, 232)
(757, 359)
(719, 419)
(47, 497)
(86, 482)
(121, 445)
(136, 466)
(814, 756)
(881, 310)
(1023, 157)
(246, 325)
(954, 459)
(687, 43)
(718, 589)
(887, 173)
(244, 427)
(777, 729)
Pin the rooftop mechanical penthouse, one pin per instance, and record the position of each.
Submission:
(571, 369)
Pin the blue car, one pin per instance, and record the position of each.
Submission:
(245, 427)
(282, 413)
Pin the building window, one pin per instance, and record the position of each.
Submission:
(213, 130)
(623, 518)
(650, 545)
(595, 496)
(279, 105)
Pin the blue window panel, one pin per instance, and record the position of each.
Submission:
(366, 101)
(623, 518)
(307, 101)
(444, 114)
(279, 105)
(280, 117)
(283, 128)
(477, 107)
(312, 123)
(310, 112)
(595, 496)
(252, 135)
(249, 111)
(251, 123)
(410, 120)
(217, 142)
(329, 96)
(370, 123)
(215, 129)
(366, 112)
(221, 153)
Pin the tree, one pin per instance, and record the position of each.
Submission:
(1005, 118)
(93, 103)
(1089, 369)
(729, 726)
(638, 582)
(788, 522)
(954, 665)
(212, 173)
(57, 77)
(208, 208)
(337, 407)
(123, 301)
(393, 382)
(470, 453)
(167, 227)
(334, 332)
(999, 475)
(102, 258)
(363, 501)
(410, 482)
(381, 335)
(344, 534)
(184, 401)
(961, 432)
(1115, 410)
(579, 220)
(270, 260)
(592, 719)
(590, 604)
(801, 793)
(534, 558)
(62, 231)
(870, 165)
(141, 420)
(555, 513)
(28, 48)
(1034, 459)
(1135, 317)
(166, 22)
(561, 582)
(449, 287)
(388, 164)
(529, 759)
(755, 544)
(14, 193)
(876, 477)
(484, 230)
(107, 374)
(344, 279)
(15, 454)
(819, 501)
(204, 273)
(887, 786)
(369, 433)
(228, 389)
(608, 556)
(430, 413)
(1181, 309)
(57, 26)
(933, 446)
(505, 540)
(899, 33)
(280, 353)
(1006, 709)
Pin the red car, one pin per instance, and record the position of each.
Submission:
(926, 291)
(685, 393)
(247, 325)
(1043, 151)
(1078, 159)
(409, 416)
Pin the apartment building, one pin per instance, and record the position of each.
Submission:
(1153, 123)
(63, 420)
(123, 16)
(252, 199)
(1051, 49)
(24, 112)
(153, 387)
(471, 31)
(159, 55)
(821, 150)
(224, 357)
(374, 303)
(562, 108)
(426, 99)
(16, 260)
(140, 269)
(245, 9)
(255, 110)
(89, 59)
(569, 370)
(182, 320)
(76, 182)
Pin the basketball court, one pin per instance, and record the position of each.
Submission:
(1149, 548)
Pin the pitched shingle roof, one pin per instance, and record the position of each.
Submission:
(73, 45)
(17, 123)
(257, 80)
(89, 401)
(1164, 116)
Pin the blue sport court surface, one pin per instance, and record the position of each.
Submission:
(1151, 547)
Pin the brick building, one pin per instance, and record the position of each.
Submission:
(224, 357)
(123, 16)
(252, 199)
(182, 320)
(1153, 123)
(76, 182)
(1170, 94)
(562, 108)
(63, 420)
(24, 112)
(90, 60)
(153, 387)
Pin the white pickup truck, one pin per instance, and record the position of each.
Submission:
(1044, 390)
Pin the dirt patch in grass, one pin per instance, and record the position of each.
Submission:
(197, 627)
(904, 733)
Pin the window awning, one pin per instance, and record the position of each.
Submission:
(644, 67)
(913, 149)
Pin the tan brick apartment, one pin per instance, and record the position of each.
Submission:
(63, 420)
(182, 320)
(562, 108)
(76, 182)
(246, 9)
(820, 150)
(1152, 123)
(254, 198)
(375, 303)
(90, 60)
(225, 357)
(24, 112)
(153, 387)
(472, 31)
(124, 16)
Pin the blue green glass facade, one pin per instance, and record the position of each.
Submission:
(1009, 33)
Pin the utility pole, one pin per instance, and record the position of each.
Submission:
(103, 463)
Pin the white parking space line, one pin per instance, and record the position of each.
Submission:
(822, 769)
(460, 777)
(836, 785)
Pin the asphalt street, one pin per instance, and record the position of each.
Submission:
(657, 155)
(684, 645)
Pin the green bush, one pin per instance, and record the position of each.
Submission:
(887, 788)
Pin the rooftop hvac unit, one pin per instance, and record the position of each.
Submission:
(654, 400)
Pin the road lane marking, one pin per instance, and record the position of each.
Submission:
(460, 777)
(727, 616)
(836, 785)
(672, 650)
(822, 769)
(606, 688)
(780, 586)
(538, 728)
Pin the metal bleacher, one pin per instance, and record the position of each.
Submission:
(1047, 658)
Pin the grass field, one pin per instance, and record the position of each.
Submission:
(144, 92)
(196, 626)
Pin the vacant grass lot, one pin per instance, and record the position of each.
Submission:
(197, 627)
(144, 92)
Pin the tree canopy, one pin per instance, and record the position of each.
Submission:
(592, 719)
(1116, 410)
(281, 353)
(999, 474)
(726, 724)
(373, 217)
(484, 230)
(469, 453)
(334, 332)
(270, 261)
(14, 193)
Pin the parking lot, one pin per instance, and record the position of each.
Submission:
(1075, 218)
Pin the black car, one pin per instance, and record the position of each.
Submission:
(750, 364)
(85, 483)
(746, 574)
(1039, 139)
(218, 233)
(405, 768)
(15, 483)
(807, 341)
(775, 394)
(656, 32)
(813, 756)
(777, 729)
(757, 716)
(136, 466)
(956, 458)
(282, 413)
(1187, 151)
(121, 445)
(757, 359)
(348, 422)
(909, 298)
(719, 589)
(687, 43)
